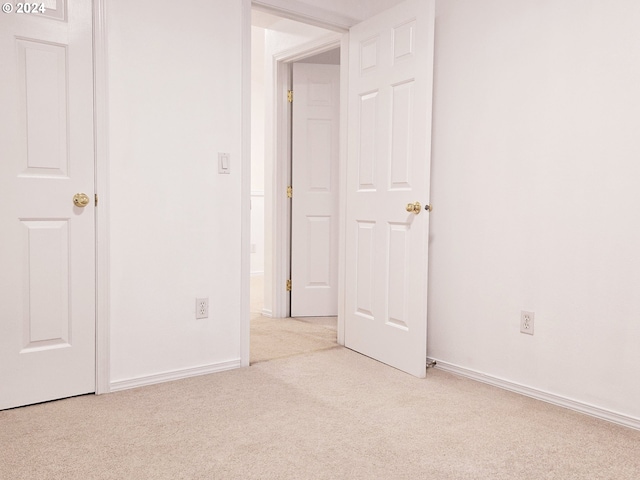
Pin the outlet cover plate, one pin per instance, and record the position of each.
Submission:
(202, 308)
(526, 322)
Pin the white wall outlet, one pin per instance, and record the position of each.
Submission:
(202, 307)
(526, 322)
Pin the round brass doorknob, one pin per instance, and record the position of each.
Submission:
(80, 200)
(414, 207)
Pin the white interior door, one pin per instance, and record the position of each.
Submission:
(47, 254)
(389, 128)
(314, 215)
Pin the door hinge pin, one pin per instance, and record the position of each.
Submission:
(96, 199)
(289, 191)
(288, 285)
(290, 96)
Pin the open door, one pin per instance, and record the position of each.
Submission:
(388, 166)
(314, 215)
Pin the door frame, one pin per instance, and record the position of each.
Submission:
(282, 166)
(281, 206)
(101, 159)
(281, 222)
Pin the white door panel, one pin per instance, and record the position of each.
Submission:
(47, 253)
(314, 231)
(389, 128)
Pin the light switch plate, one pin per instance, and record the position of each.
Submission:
(224, 163)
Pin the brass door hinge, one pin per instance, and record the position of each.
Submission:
(289, 191)
(290, 96)
(96, 199)
(288, 285)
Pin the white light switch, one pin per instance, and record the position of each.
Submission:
(224, 163)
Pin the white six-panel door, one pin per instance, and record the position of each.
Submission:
(389, 131)
(314, 216)
(47, 246)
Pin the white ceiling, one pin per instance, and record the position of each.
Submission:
(353, 10)
(356, 9)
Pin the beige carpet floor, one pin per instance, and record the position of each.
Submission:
(309, 409)
(275, 338)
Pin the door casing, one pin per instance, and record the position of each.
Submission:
(281, 206)
(101, 142)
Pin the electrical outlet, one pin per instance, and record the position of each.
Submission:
(526, 322)
(202, 307)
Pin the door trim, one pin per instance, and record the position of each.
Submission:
(245, 189)
(281, 206)
(101, 153)
(282, 170)
(338, 39)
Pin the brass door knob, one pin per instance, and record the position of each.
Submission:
(80, 200)
(414, 207)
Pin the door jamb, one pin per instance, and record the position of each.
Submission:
(278, 276)
(101, 181)
(281, 178)
(245, 187)
(282, 169)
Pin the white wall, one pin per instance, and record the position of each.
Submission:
(174, 102)
(257, 150)
(535, 190)
(257, 107)
(331, 57)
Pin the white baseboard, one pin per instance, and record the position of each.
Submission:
(267, 313)
(552, 398)
(173, 375)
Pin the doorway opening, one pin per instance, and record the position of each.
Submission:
(387, 90)
(276, 45)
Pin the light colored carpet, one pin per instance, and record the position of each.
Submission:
(324, 413)
(273, 338)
